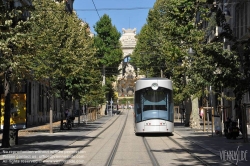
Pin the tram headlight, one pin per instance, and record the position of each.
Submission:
(154, 86)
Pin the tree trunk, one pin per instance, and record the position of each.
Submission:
(62, 101)
(188, 107)
(7, 105)
(194, 117)
(79, 113)
(244, 124)
(49, 95)
(62, 113)
(50, 116)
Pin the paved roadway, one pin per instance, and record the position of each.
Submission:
(131, 150)
(43, 143)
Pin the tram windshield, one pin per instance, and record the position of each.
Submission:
(153, 104)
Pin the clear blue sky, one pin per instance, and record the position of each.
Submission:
(120, 17)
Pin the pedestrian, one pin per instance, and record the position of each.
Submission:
(66, 113)
(201, 113)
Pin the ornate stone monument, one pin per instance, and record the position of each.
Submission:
(128, 73)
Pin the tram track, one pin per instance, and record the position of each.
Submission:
(114, 150)
(79, 149)
(192, 142)
(178, 151)
(189, 152)
(164, 148)
(149, 151)
(154, 153)
(196, 157)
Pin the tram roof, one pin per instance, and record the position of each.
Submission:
(154, 78)
(147, 82)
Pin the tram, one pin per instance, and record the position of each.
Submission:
(153, 106)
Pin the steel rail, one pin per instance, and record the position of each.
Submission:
(188, 151)
(88, 142)
(204, 148)
(151, 155)
(114, 150)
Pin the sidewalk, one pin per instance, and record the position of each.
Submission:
(234, 151)
(44, 127)
(42, 132)
(37, 142)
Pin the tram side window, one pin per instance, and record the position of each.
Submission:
(138, 110)
(137, 103)
(138, 107)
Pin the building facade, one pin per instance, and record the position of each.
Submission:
(128, 72)
(237, 14)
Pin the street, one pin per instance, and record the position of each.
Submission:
(94, 144)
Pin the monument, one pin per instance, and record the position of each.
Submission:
(128, 72)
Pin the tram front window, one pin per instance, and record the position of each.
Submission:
(153, 104)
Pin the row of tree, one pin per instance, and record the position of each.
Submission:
(54, 47)
(174, 26)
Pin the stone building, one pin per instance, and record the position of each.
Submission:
(128, 72)
(237, 14)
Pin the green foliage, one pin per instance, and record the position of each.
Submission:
(109, 50)
(164, 40)
(64, 53)
(53, 47)
(16, 43)
(242, 83)
(173, 26)
(126, 101)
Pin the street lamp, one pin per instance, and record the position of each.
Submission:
(190, 51)
(138, 72)
(106, 111)
(117, 106)
(111, 102)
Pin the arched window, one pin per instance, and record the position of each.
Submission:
(126, 59)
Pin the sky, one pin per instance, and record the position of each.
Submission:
(121, 17)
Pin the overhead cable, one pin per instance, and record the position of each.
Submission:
(96, 9)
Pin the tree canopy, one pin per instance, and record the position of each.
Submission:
(64, 51)
(109, 51)
(172, 28)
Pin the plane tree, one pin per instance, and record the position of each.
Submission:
(15, 48)
(64, 51)
(170, 31)
(108, 52)
(175, 26)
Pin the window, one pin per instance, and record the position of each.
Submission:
(153, 104)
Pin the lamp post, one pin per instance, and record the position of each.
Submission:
(188, 101)
(138, 72)
(183, 113)
(86, 114)
(111, 102)
(106, 111)
(117, 107)
(212, 109)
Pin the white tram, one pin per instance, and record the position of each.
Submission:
(153, 106)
